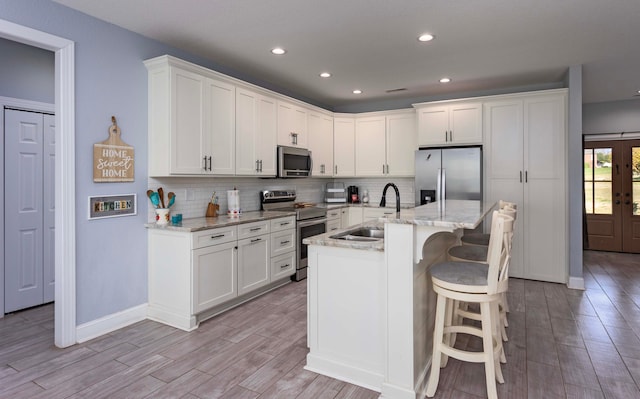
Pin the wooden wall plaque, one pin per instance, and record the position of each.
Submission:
(113, 159)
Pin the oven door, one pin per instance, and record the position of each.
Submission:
(306, 229)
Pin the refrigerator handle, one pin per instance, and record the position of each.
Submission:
(441, 185)
(444, 185)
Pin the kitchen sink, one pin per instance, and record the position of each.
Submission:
(361, 234)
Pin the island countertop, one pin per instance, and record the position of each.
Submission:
(466, 214)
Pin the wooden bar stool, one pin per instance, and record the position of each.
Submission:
(479, 254)
(479, 283)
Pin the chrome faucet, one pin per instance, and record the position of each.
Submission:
(383, 201)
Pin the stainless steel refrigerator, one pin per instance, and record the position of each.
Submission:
(455, 172)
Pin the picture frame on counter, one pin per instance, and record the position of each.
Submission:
(110, 206)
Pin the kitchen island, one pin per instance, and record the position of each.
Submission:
(371, 307)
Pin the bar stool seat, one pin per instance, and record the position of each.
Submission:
(468, 253)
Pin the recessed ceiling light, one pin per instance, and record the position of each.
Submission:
(426, 37)
(278, 51)
(445, 80)
(357, 91)
(325, 75)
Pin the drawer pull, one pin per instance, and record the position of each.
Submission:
(284, 266)
(256, 240)
(218, 236)
(256, 229)
(284, 242)
(285, 223)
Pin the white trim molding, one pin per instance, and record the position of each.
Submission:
(576, 283)
(65, 240)
(112, 322)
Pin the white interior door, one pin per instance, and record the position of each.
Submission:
(29, 210)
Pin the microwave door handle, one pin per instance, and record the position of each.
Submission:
(310, 164)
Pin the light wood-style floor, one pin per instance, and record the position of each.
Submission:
(563, 344)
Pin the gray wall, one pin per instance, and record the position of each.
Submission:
(110, 80)
(611, 117)
(27, 74)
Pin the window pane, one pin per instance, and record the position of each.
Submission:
(602, 170)
(602, 198)
(588, 197)
(588, 164)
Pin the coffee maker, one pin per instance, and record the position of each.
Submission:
(352, 195)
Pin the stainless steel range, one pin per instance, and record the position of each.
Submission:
(310, 221)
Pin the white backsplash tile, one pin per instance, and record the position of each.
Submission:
(194, 193)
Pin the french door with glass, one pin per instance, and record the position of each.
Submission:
(612, 195)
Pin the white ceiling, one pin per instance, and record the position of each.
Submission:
(371, 44)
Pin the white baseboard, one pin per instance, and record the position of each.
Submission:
(112, 322)
(576, 283)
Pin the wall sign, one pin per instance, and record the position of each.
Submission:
(109, 206)
(113, 159)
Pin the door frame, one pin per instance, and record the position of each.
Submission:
(65, 235)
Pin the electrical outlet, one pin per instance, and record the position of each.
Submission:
(190, 194)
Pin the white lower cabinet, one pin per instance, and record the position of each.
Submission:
(254, 256)
(215, 270)
(334, 219)
(369, 214)
(195, 275)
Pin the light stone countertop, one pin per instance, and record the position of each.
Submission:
(204, 223)
(465, 214)
(326, 240)
(455, 214)
(390, 205)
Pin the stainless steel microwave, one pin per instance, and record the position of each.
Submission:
(294, 162)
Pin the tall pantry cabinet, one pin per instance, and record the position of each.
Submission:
(525, 155)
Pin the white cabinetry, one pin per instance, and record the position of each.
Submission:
(320, 140)
(256, 122)
(526, 164)
(401, 141)
(449, 123)
(283, 247)
(369, 214)
(334, 219)
(370, 146)
(191, 120)
(292, 125)
(355, 216)
(344, 146)
(385, 145)
(196, 275)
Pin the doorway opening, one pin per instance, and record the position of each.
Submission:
(612, 195)
(65, 234)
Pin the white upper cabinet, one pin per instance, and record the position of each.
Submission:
(191, 121)
(255, 134)
(385, 145)
(320, 142)
(292, 125)
(370, 146)
(401, 139)
(344, 146)
(449, 123)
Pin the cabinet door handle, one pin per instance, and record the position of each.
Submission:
(205, 163)
(294, 138)
(520, 176)
(261, 165)
(336, 168)
(217, 236)
(257, 165)
(383, 169)
(526, 176)
(256, 240)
